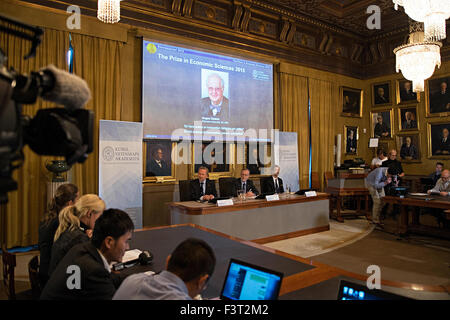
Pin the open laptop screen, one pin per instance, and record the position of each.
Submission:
(245, 281)
(352, 291)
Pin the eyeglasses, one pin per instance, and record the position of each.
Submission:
(215, 89)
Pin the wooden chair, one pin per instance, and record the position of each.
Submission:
(9, 263)
(226, 187)
(328, 175)
(315, 181)
(33, 273)
(185, 190)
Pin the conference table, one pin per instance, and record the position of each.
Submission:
(258, 220)
(303, 278)
(417, 202)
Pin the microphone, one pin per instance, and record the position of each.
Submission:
(67, 89)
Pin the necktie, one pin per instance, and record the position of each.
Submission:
(276, 186)
(243, 187)
(202, 193)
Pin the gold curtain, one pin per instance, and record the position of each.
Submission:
(324, 97)
(294, 118)
(98, 62)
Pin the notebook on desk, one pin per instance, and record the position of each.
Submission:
(245, 281)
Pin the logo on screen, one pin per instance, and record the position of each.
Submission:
(108, 153)
(151, 48)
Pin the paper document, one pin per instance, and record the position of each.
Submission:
(131, 255)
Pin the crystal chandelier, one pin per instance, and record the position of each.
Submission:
(432, 13)
(418, 58)
(108, 11)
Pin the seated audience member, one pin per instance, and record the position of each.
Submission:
(244, 183)
(84, 273)
(65, 195)
(203, 188)
(378, 160)
(436, 175)
(188, 270)
(442, 185)
(76, 223)
(375, 182)
(273, 184)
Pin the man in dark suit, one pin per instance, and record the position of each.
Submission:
(406, 94)
(84, 273)
(436, 175)
(440, 101)
(409, 123)
(215, 105)
(381, 130)
(380, 98)
(157, 166)
(351, 142)
(244, 183)
(408, 151)
(202, 188)
(443, 146)
(273, 184)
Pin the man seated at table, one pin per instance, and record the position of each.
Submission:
(442, 185)
(375, 182)
(436, 175)
(202, 188)
(273, 184)
(442, 188)
(188, 270)
(244, 183)
(84, 273)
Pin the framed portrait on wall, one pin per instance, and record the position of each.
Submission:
(405, 93)
(217, 156)
(351, 102)
(351, 136)
(257, 157)
(439, 140)
(407, 118)
(158, 164)
(437, 97)
(409, 146)
(381, 94)
(382, 124)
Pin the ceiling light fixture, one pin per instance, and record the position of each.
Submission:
(108, 11)
(432, 13)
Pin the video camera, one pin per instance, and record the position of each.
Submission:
(64, 132)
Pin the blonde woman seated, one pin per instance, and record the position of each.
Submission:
(76, 223)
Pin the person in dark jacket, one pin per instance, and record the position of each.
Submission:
(244, 183)
(84, 273)
(75, 226)
(203, 188)
(65, 195)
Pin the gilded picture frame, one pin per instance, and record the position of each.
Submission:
(378, 130)
(351, 140)
(404, 93)
(437, 149)
(409, 151)
(408, 118)
(221, 151)
(437, 97)
(163, 170)
(382, 94)
(351, 100)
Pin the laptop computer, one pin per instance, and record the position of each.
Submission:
(245, 281)
(352, 291)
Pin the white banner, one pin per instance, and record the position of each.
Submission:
(120, 167)
(286, 156)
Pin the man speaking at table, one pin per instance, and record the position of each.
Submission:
(244, 183)
(202, 188)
